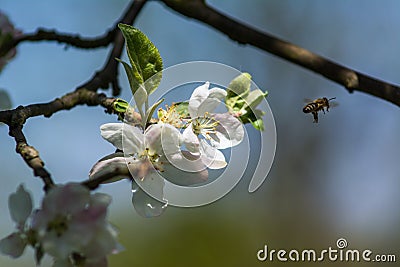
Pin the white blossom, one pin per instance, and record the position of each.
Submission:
(151, 156)
(207, 132)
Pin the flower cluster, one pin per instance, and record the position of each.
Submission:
(180, 147)
(70, 226)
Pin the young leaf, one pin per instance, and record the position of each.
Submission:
(150, 111)
(134, 84)
(254, 98)
(144, 57)
(239, 86)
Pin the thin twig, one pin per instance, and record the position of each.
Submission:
(349, 78)
(16, 118)
(83, 95)
(109, 73)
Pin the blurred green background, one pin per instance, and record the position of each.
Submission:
(336, 179)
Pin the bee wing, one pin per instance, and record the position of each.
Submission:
(308, 100)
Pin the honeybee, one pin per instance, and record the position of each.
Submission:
(317, 105)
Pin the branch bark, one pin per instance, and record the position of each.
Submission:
(352, 80)
(16, 119)
(83, 95)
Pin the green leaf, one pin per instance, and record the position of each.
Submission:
(144, 57)
(120, 105)
(254, 98)
(134, 84)
(150, 111)
(253, 116)
(239, 86)
(258, 124)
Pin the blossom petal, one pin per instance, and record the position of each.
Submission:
(162, 139)
(190, 140)
(211, 102)
(123, 136)
(185, 169)
(211, 157)
(230, 131)
(72, 197)
(20, 205)
(145, 205)
(12, 245)
(110, 164)
(199, 95)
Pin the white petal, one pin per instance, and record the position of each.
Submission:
(12, 245)
(152, 184)
(211, 157)
(198, 96)
(162, 139)
(216, 95)
(123, 136)
(185, 169)
(113, 163)
(20, 205)
(230, 131)
(190, 140)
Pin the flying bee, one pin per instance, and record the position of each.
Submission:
(314, 106)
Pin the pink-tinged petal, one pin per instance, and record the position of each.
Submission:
(71, 197)
(59, 246)
(12, 245)
(199, 95)
(230, 131)
(211, 157)
(140, 168)
(152, 184)
(185, 169)
(190, 140)
(103, 244)
(20, 205)
(162, 139)
(115, 162)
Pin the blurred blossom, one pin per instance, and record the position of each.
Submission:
(20, 206)
(7, 34)
(71, 226)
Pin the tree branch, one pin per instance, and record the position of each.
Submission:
(16, 118)
(109, 73)
(243, 34)
(85, 94)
